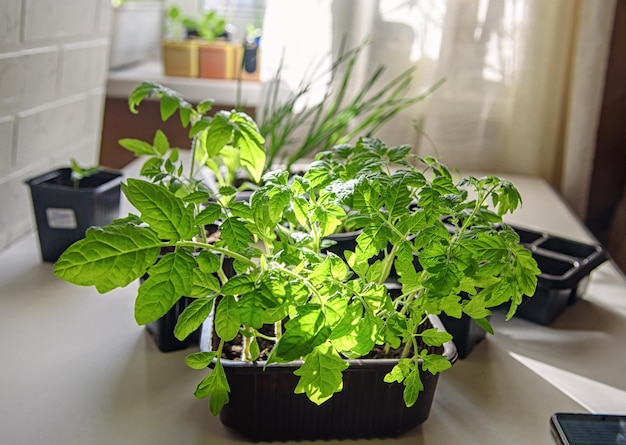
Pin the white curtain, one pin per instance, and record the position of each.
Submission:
(524, 78)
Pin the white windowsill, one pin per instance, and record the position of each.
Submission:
(121, 83)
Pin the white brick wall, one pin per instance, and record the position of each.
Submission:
(53, 68)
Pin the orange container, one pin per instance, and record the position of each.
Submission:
(217, 60)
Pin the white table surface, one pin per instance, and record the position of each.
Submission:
(76, 369)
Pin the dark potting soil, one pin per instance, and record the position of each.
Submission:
(232, 350)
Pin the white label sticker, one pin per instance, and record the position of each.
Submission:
(61, 218)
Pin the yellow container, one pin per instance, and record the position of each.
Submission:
(181, 58)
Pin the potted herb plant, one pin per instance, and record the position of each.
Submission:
(198, 47)
(68, 200)
(298, 311)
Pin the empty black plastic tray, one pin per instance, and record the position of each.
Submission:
(565, 267)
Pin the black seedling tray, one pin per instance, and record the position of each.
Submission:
(565, 267)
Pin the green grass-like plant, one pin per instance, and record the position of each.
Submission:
(340, 116)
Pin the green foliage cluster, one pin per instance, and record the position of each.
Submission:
(324, 310)
(209, 26)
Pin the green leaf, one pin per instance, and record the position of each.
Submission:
(192, 317)
(165, 213)
(328, 216)
(366, 333)
(372, 240)
(434, 363)
(336, 308)
(238, 285)
(169, 279)
(508, 199)
(218, 134)
(139, 148)
(200, 360)
(208, 262)
(429, 202)
(109, 257)
(209, 214)
(203, 284)
(235, 234)
(249, 310)
(475, 308)
(405, 266)
(321, 374)
(346, 328)
(302, 334)
(161, 144)
(168, 107)
(443, 278)
(215, 386)
(268, 208)
(205, 106)
(484, 323)
(250, 143)
(435, 337)
(197, 197)
(397, 199)
(399, 372)
(227, 319)
(526, 271)
(412, 387)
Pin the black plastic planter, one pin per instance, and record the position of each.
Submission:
(63, 212)
(263, 406)
(565, 267)
(466, 333)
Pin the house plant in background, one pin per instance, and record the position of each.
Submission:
(67, 201)
(292, 305)
(180, 53)
(198, 47)
(216, 52)
(295, 133)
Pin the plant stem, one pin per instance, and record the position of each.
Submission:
(214, 248)
(278, 330)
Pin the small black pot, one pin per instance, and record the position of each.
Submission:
(263, 406)
(63, 212)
